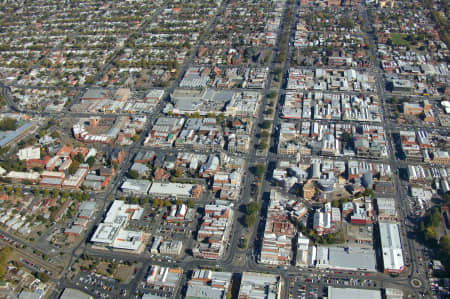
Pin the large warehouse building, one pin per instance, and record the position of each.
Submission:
(391, 248)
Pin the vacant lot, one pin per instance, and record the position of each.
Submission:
(123, 273)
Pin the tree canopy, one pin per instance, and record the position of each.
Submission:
(4, 257)
(250, 220)
(8, 124)
(259, 170)
(266, 124)
(252, 208)
(133, 174)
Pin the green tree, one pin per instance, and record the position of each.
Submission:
(250, 220)
(84, 196)
(156, 203)
(4, 257)
(190, 203)
(45, 193)
(41, 133)
(243, 243)
(265, 124)
(135, 138)
(444, 244)
(430, 235)
(76, 196)
(259, 170)
(252, 208)
(55, 193)
(262, 146)
(368, 192)
(435, 218)
(42, 277)
(178, 172)
(79, 158)
(133, 174)
(55, 134)
(64, 194)
(220, 117)
(91, 161)
(8, 124)
(265, 134)
(272, 94)
(73, 167)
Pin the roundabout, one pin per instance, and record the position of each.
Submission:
(416, 283)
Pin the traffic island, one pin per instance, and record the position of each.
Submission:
(416, 283)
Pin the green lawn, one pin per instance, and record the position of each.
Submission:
(398, 39)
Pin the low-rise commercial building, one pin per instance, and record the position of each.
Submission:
(386, 209)
(278, 233)
(136, 186)
(164, 277)
(112, 231)
(215, 229)
(259, 285)
(175, 190)
(171, 247)
(349, 293)
(354, 259)
(391, 247)
(209, 284)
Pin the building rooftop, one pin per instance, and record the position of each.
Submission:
(346, 258)
(393, 293)
(208, 284)
(74, 294)
(164, 276)
(391, 247)
(171, 189)
(11, 135)
(136, 186)
(387, 203)
(348, 293)
(112, 233)
(127, 239)
(259, 285)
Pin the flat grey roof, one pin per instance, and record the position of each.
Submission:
(74, 294)
(13, 134)
(352, 258)
(349, 293)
